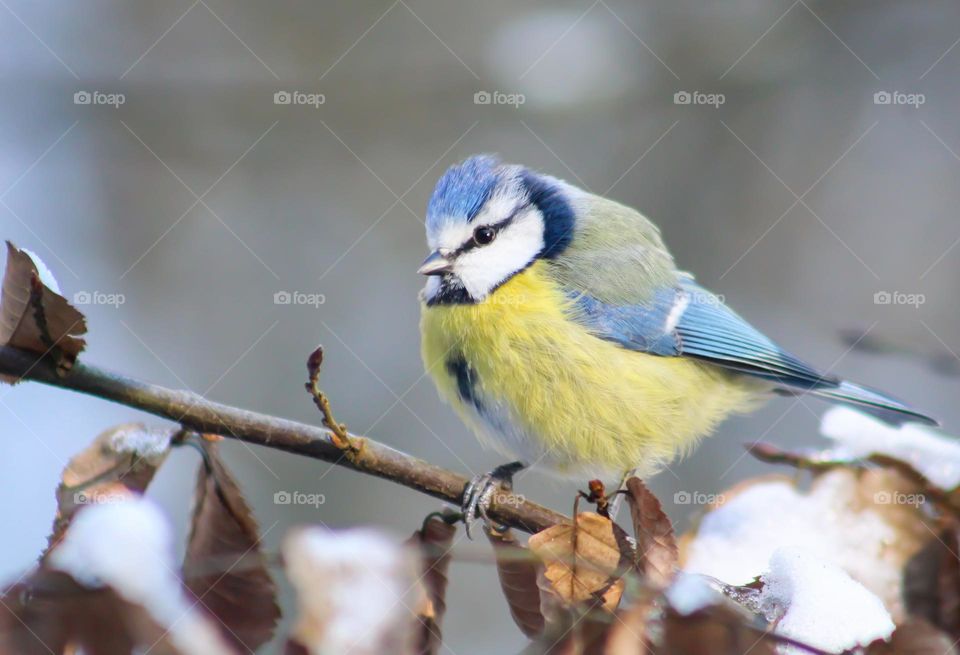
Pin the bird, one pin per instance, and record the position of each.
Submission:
(559, 328)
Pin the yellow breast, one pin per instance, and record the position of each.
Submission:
(543, 388)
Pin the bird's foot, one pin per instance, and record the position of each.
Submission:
(479, 492)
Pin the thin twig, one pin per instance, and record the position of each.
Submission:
(340, 436)
(197, 413)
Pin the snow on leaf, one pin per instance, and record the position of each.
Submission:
(926, 449)
(817, 603)
(120, 462)
(690, 593)
(517, 571)
(656, 546)
(224, 565)
(33, 314)
(127, 548)
(865, 522)
(353, 588)
(583, 563)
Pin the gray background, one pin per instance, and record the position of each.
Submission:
(329, 200)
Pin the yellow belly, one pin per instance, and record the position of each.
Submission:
(555, 394)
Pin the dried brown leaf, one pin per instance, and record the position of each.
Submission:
(646, 628)
(433, 543)
(656, 545)
(224, 566)
(35, 317)
(584, 562)
(932, 582)
(517, 570)
(120, 461)
(915, 637)
(50, 612)
(715, 630)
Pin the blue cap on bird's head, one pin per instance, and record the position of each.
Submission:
(487, 221)
(463, 190)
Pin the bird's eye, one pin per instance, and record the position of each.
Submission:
(484, 235)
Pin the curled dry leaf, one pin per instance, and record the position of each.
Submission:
(583, 563)
(932, 582)
(433, 543)
(33, 314)
(121, 461)
(715, 630)
(517, 570)
(656, 546)
(224, 566)
(914, 637)
(51, 613)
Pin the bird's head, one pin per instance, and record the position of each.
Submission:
(488, 221)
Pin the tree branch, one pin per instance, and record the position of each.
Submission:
(197, 413)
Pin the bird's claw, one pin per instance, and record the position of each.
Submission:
(479, 492)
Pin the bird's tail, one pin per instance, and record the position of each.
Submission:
(873, 402)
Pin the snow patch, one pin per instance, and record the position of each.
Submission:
(151, 444)
(354, 590)
(817, 603)
(690, 593)
(859, 435)
(129, 547)
(46, 276)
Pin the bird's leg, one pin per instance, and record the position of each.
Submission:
(479, 492)
(614, 508)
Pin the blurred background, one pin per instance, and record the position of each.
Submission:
(183, 163)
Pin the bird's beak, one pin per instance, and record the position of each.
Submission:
(435, 264)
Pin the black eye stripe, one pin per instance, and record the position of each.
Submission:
(496, 227)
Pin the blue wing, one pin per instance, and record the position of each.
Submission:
(689, 321)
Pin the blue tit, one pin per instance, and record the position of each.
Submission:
(558, 326)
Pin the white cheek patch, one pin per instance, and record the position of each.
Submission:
(482, 269)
